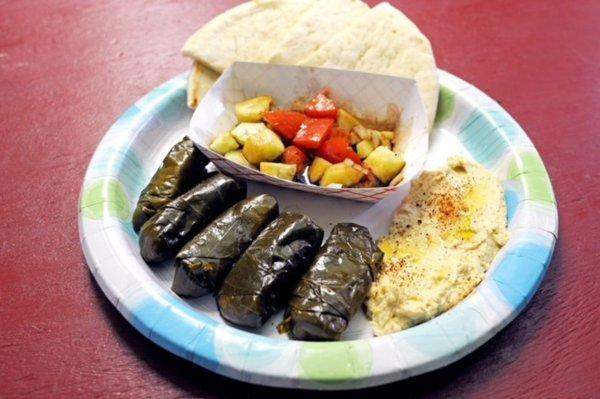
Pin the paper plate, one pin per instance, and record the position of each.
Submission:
(468, 122)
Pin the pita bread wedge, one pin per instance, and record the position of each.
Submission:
(383, 40)
(248, 32)
(200, 81)
(315, 27)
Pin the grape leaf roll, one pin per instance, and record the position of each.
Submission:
(261, 281)
(181, 169)
(203, 262)
(335, 286)
(163, 235)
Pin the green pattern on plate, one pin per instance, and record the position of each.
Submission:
(525, 162)
(106, 195)
(336, 361)
(445, 105)
(537, 186)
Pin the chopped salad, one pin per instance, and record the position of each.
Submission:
(315, 142)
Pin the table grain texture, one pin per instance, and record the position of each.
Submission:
(68, 69)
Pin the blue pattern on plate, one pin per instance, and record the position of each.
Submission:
(427, 338)
(512, 201)
(487, 135)
(179, 327)
(516, 275)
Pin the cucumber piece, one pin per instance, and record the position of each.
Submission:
(265, 146)
(245, 129)
(341, 173)
(238, 157)
(224, 143)
(282, 170)
(384, 163)
(317, 168)
(251, 110)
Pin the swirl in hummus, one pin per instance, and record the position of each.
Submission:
(442, 241)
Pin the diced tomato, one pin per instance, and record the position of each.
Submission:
(294, 156)
(313, 132)
(336, 149)
(321, 106)
(285, 123)
(341, 133)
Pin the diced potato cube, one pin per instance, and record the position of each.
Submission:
(386, 137)
(387, 134)
(251, 110)
(238, 157)
(282, 170)
(340, 173)
(375, 137)
(317, 168)
(244, 130)
(224, 143)
(364, 148)
(384, 163)
(346, 120)
(263, 146)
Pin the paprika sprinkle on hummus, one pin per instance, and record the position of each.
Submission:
(442, 241)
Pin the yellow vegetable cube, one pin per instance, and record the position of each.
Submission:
(224, 143)
(317, 168)
(341, 173)
(263, 146)
(282, 170)
(364, 148)
(238, 157)
(387, 134)
(346, 120)
(244, 130)
(384, 163)
(251, 110)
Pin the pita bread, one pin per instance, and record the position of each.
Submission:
(383, 40)
(200, 81)
(315, 27)
(248, 32)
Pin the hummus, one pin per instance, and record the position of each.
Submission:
(442, 241)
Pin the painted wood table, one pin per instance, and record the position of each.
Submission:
(68, 69)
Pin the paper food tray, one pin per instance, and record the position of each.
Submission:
(368, 95)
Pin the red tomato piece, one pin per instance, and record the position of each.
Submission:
(313, 132)
(351, 154)
(336, 149)
(294, 156)
(321, 106)
(341, 133)
(285, 123)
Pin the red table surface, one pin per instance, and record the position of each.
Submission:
(68, 69)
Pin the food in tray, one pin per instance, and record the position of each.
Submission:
(329, 143)
(442, 241)
(205, 260)
(180, 170)
(343, 34)
(335, 286)
(181, 219)
(262, 280)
